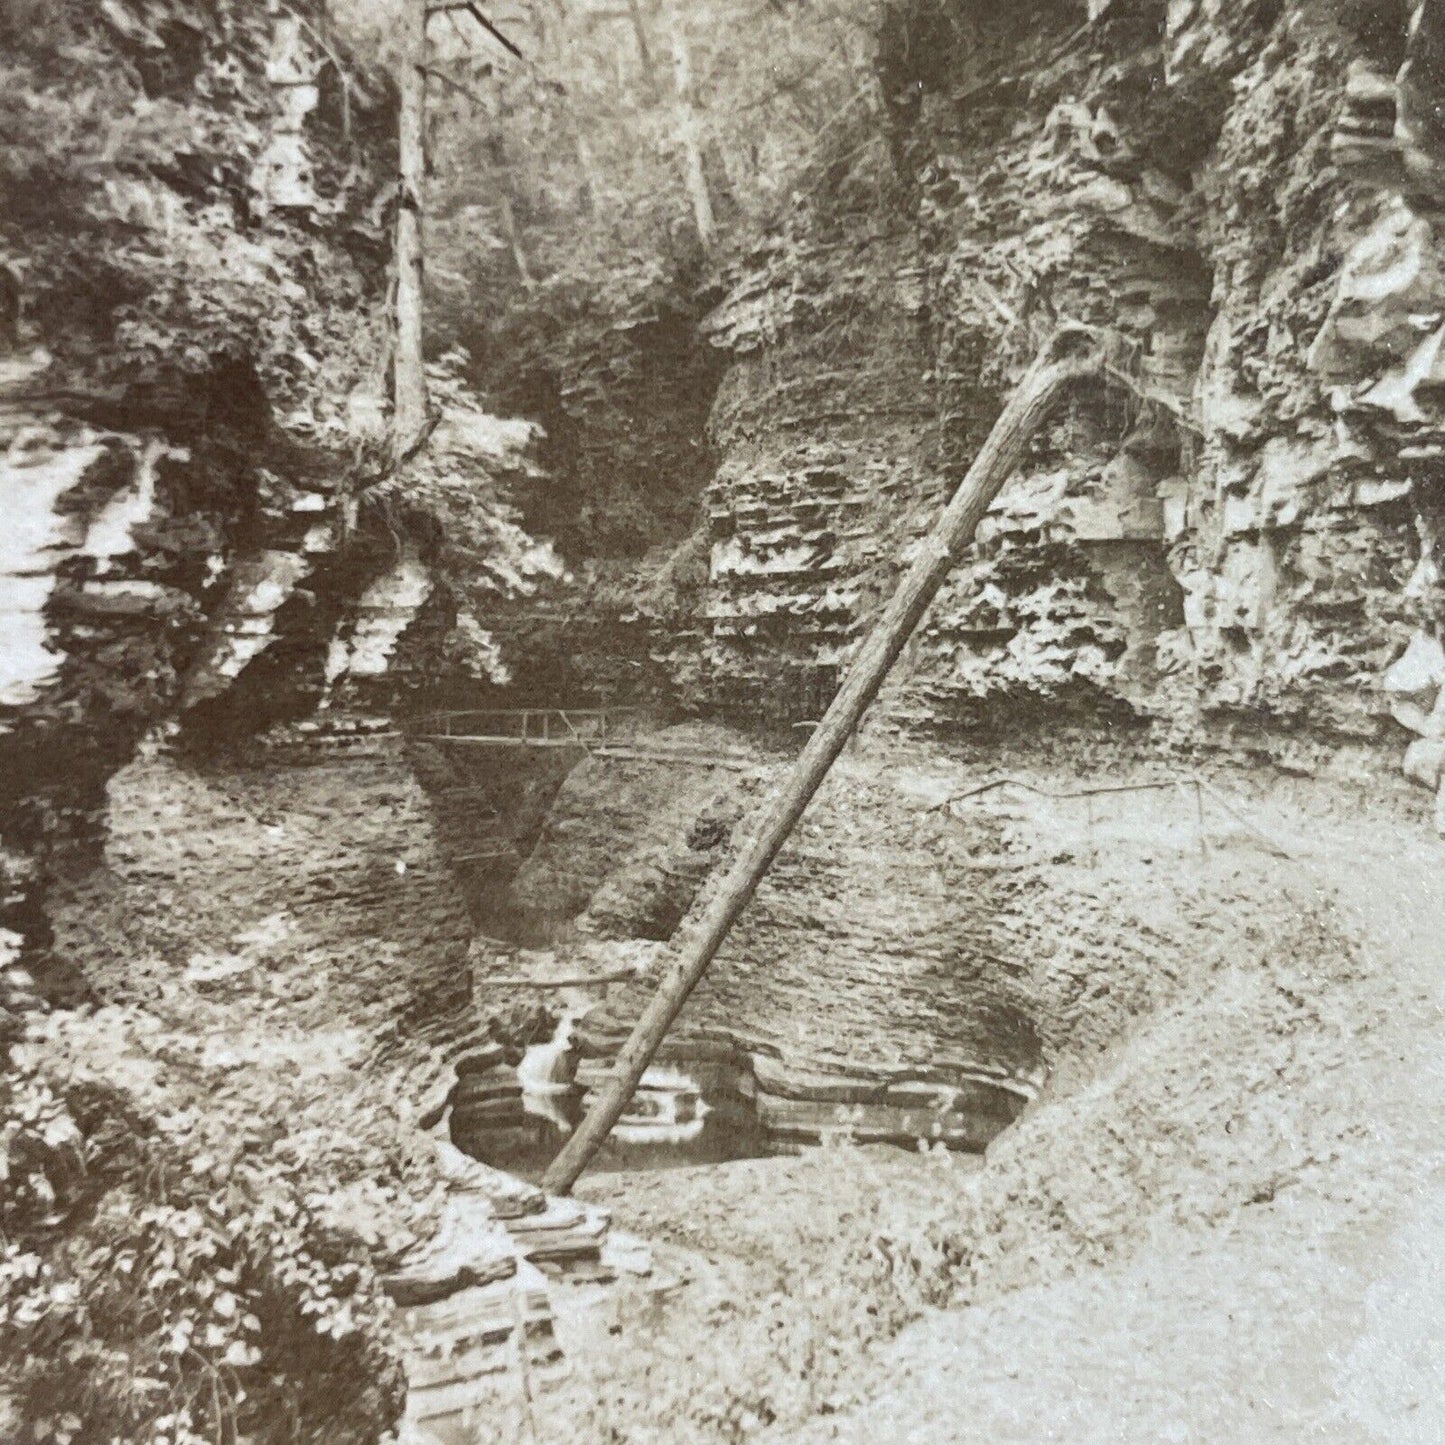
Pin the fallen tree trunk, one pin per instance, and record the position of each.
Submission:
(1067, 357)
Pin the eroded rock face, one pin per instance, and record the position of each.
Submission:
(191, 420)
(1240, 522)
(174, 375)
(818, 421)
(212, 872)
(928, 944)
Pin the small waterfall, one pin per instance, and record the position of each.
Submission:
(548, 1073)
(668, 1107)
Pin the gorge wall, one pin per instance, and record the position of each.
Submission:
(237, 872)
(1239, 526)
(193, 268)
(1230, 541)
(177, 380)
(214, 596)
(194, 357)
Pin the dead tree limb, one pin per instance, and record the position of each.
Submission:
(455, 85)
(409, 391)
(475, 11)
(1066, 358)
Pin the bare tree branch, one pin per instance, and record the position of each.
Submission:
(475, 11)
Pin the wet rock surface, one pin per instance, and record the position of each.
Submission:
(915, 963)
(474, 1301)
(1204, 1125)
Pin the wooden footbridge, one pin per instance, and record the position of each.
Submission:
(529, 727)
(608, 732)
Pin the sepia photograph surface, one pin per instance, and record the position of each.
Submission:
(722, 722)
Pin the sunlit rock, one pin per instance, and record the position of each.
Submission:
(1424, 762)
(283, 175)
(244, 625)
(1388, 304)
(38, 469)
(384, 611)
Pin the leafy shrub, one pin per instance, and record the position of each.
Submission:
(148, 1294)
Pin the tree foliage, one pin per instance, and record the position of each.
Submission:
(163, 1277)
(140, 253)
(563, 252)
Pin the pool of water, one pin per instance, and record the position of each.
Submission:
(723, 1105)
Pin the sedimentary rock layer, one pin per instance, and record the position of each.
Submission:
(1242, 520)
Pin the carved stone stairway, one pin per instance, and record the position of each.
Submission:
(473, 1304)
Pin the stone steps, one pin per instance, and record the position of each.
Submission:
(473, 1302)
(456, 1348)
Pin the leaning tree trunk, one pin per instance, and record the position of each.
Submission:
(1066, 358)
(409, 398)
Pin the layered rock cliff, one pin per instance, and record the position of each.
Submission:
(206, 543)
(1239, 522)
(1233, 535)
(193, 372)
